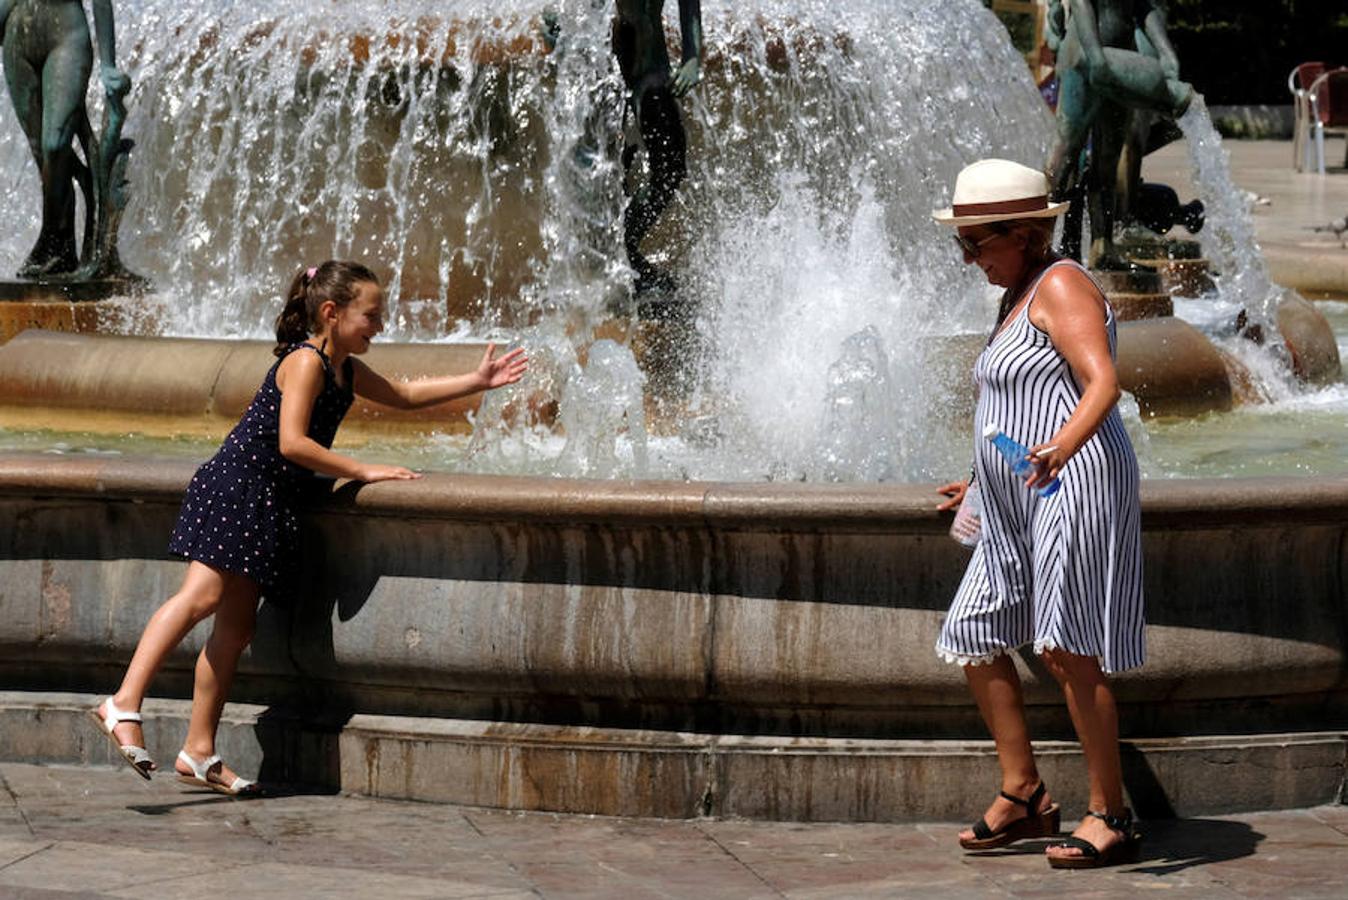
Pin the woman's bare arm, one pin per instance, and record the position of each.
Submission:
(1071, 310)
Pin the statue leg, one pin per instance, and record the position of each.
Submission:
(1106, 149)
(1077, 109)
(1133, 79)
(667, 151)
(64, 76)
(1129, 174)
(25, 89)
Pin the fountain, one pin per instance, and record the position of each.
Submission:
(739, 621)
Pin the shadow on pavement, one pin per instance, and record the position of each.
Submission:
(203, 797)
(1179, 844)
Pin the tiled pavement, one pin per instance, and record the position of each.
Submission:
(93, 832)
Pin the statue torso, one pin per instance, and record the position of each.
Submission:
(1118, 20)
(37, 27)
(639, 42)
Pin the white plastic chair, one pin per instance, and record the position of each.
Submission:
(1299, 81)
(1328, 96)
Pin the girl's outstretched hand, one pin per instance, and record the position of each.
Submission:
(371, 474)
(508, 369)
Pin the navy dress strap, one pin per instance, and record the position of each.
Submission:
(348, 371)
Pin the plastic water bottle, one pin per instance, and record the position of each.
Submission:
(968, 525)
(1017, 456)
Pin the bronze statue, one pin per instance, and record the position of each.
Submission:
(48, 58)
(639, 44)
(1115, 64)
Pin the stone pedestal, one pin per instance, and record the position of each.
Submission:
(1183, 277)
(1135, 294)
(1178, 261)
(60, 305)
(1310, 341)
(1172, 369)
(20, 315)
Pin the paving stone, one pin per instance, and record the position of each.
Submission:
(11, 851)
(855, 859)
(274, 880)
(578, 856)
(98, 833)
(103, 868)
(23, 893)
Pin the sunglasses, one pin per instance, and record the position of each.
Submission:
(972, 247)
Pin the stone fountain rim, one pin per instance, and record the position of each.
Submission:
(855, 507)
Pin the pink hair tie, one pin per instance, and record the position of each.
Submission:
(310, 272)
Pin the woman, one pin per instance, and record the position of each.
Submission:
(1062, 572)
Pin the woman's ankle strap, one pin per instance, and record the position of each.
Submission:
(1033, 799)
(1122, 823)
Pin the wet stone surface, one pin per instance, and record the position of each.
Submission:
(97, 832)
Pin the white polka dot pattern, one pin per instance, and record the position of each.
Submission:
(239, 512)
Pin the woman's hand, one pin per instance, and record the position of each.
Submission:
(494, 373)
(372, 473)
(955, 490)
(1050, 459)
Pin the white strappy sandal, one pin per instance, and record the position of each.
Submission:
(200, 777)
(138, 758)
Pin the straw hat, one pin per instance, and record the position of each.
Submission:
(994, 190)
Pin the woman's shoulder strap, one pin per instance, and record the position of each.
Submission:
(1073, 264)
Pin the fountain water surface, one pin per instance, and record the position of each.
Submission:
(480, 170)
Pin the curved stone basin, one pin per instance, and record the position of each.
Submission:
(88, 382)
(117, 383)
(677, 648)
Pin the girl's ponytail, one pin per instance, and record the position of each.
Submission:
(292, 325)
(334, 280)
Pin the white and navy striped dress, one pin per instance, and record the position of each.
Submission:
(1063, 571)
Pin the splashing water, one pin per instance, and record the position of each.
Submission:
(857, 438)
(1229, 241)
(603, 403)
(481, 173)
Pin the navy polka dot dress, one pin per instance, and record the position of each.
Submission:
(239, 514)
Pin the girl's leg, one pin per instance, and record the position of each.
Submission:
(997, 690)
(233, 629)
(1090, 701)
(197, 598)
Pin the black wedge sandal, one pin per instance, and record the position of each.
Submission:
(1034, 825)
(1127, 850)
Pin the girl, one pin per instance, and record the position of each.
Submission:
(238, 525)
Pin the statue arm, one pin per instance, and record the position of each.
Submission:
(5, 7)
(1082, 24)
(115, 81)
(1055, 28)
(1154, 26)
(689, 72)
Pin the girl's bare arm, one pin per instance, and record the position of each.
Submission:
(300, 379)
(492, 372)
